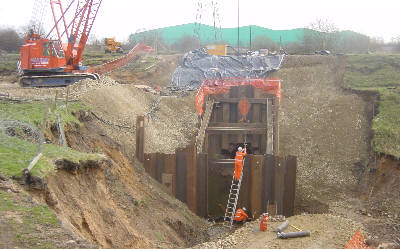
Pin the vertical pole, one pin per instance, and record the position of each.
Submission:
(238, 39)
(250, 37)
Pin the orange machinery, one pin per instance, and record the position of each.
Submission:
(49, 62)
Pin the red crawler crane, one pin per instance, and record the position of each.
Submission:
(49, 62)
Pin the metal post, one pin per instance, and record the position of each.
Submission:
(238, 47)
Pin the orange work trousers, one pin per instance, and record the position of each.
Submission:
(238, 170)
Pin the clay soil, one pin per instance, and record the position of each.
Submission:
(115, 204)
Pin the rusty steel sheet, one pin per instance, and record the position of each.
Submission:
(140, 138)
(256, 183)
(181, 175)
(170, 168)
(268, 190)
(202, 185)
(290, 186)
(159, 166)
(191, 178)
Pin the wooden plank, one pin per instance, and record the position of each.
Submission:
(290, 186)
(268, 182)
(256, 183)
(202, 184)
(167, 181)
(140, 138)
(181, 175)
(270, 129)
(170, 168)
(191, 178)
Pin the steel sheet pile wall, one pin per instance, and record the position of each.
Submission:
(184, 175)
(269, 182)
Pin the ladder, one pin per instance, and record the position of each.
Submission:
(204, 125)
(233, 198)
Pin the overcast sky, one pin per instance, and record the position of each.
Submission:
(119, 18)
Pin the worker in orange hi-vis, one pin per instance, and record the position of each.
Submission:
(241, 215)
(239, 158)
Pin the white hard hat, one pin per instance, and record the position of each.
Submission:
(240, 149)
(244, 209)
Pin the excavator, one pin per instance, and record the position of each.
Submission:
(48, 62)
(112, 46)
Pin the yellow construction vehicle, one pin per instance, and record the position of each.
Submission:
(112, 46)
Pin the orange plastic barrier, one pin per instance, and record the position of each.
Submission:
(119, 62)
(357, 242)
(220, 86)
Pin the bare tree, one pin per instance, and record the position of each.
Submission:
(323, 33)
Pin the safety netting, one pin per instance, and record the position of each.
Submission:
(222, 86)
(198, 65)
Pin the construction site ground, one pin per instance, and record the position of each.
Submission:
(113, 203)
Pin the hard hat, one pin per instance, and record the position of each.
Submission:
(240, 149)
(244, 209)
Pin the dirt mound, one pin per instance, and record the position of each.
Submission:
(114, 204)
(324, 126)
(148, 70)
(172, 125)
(327, 231)
(307, 60)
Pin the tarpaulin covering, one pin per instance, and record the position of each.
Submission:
(221, 86)
(198, 65)
(357, 242)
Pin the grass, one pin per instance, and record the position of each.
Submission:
(380, 74)
(8, 63)
(16, 153)
(33, 113)
(31, 216)
(98, 57)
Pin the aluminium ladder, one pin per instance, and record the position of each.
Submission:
(232, 200)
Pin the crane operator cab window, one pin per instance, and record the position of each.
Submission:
(46, 50)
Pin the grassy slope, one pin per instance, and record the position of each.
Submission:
(15, 153)
(379, 73)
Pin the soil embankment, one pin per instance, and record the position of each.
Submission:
(325, 127)
(114, 204)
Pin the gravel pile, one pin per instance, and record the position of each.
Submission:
(325, 127)
(172, 125)
(79, 89)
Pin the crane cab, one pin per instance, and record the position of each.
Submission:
(40, 55)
